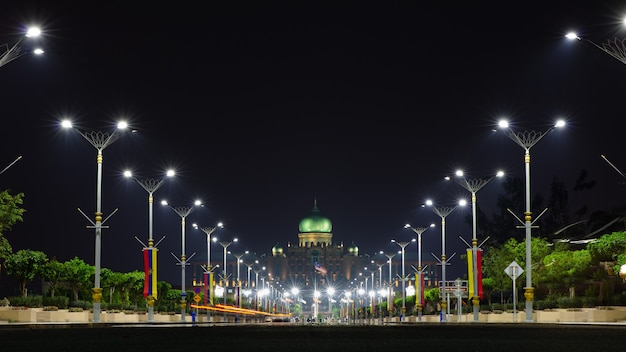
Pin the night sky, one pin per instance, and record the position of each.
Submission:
(264, 107)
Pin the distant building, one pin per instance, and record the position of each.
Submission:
(315, 260)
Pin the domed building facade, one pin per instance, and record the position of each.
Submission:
(315, 261)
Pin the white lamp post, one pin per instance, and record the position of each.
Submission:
(239, 256)
(527, 139)
(403, 246)
(14, 52)
(390, 292)
(443, 212)
(419, 296)
(183, 212)
(208, 274)
(225, 245)
(100, 140)
(380, 290)
(330, 291)
(473, 186)
(150, 290)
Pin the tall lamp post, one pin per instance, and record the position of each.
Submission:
(238, 287)
(100, 140)
(208, 271)
(402, 247)
(526, 140)
(390, 291)
(183, 212)
(473, 186)
(14, 52)
(380, 287)
(151, 185)
(225, 244)
(419, 295)
(443, 212)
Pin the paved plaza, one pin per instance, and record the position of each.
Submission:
(285, 337)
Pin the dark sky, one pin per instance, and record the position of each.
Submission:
(263, 107)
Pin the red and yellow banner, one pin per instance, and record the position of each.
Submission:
(479, 272)
(150, 272)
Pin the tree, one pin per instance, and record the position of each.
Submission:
(10, 213)
(77, 275)
(53, 273)
(112, 280)
(608, 247)
(24, 265)
(495, 260)
(566, 268)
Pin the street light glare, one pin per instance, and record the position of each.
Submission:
(459, 173)
(560, 123)
(122, 125)
(38, 51)
(572, 36)
(503, 124)
(170, 173)
(33, 32)
(66, 124)
(128, 173)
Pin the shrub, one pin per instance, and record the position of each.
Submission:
(566, 302)
(59, 301)
(546, 304)
(30, 301)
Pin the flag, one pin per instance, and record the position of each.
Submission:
(150, 272)
(419, 282)
(320, 269)
(479, 272)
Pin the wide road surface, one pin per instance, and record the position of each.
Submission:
(469, 337)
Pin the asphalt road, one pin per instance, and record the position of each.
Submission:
(297, 338)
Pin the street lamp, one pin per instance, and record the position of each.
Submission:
(100, 140)
(330, 291)
(238, 286)
(183, 212)
(443, 212)
(473, 186)
(10, 54)
(208, 298)
(390, 292)
(225, 244)
(527, 139)
(616, 48)
(419, 296)
(380, 289)
(151, 185)
(402, 246)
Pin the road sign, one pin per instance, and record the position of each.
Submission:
(197, 298)
(514, 270)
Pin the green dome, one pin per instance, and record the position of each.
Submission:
(315, 222)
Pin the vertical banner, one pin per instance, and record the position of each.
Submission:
(207, 284)
(150, 272)
(470, 272)
(419, 283)
(211, 287)
(479, 266)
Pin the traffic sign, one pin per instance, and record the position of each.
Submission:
(514, 270)
(197, 298)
